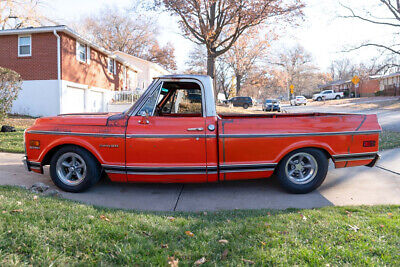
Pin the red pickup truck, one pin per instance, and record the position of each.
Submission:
(173, 134)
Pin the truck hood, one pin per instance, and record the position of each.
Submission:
(91, 119)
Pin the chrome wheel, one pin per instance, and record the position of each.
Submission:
(71, 168)
(301, 168)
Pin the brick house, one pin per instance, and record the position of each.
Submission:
(366, 87)
(62, 72)
(389, 84)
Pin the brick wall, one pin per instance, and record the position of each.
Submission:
(41, 65)
(94, 74)
(368, 87)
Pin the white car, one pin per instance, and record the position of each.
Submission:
(327, 94)
(298, 100)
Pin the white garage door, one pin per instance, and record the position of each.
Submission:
(95, 101)
(73, 100)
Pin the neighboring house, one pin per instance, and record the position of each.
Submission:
(366, 87)
(62, 72)
(389, 85)
(146, 70)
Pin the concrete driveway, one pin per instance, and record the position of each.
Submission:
(351, 186)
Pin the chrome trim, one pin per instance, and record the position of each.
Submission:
(166, 136)
(115, 171)
(250, 166)
(211, 127)
(355, 154)
(164, 173)
(77, 134)
(297, 134)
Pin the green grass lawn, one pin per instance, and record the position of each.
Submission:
(12, 142)
(388, 140)
(47, 231)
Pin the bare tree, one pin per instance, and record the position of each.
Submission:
(129, 32)
(16, 14)
(244, 54)
(217, 24)
(342, 69)
(392, 8)
(298, 66)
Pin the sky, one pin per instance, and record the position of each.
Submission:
(322, 32)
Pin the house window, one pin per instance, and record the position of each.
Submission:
(24, 46)
(81, 52)
(111, 65)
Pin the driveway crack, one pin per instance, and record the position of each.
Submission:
(387, 170)
(179, 196)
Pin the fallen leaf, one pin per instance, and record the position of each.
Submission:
(173, 262)
(19, 203)
(263, 243)
(223, 241)
(189, 233)
(224, 254)
(4, 211)
(35, 197)
(164, 245)
(17, 210)
(248, 261)
(354, 228)
(200, 261)
(381, 225)
(171, 218)
(90, 216)
(348, 213)
(104, 218)
(390, 215)
(303, 217)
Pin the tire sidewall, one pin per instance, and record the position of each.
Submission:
(322, 162)
(93, 172)
(246, 106)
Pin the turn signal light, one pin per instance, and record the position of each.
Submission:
(34, 143)
(370, 143)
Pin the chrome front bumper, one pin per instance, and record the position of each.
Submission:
(29, 165)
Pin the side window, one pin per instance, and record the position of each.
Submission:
(150, 103)
(24, 46)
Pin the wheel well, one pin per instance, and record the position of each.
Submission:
(328, 156)
(47, 158)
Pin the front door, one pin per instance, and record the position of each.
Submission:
(165, 139)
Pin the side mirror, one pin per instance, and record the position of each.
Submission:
(145, 117)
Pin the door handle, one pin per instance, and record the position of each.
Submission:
(195, 129)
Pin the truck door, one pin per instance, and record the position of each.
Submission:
(166, 138)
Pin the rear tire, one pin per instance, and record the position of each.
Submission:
(337, 97)
(73, 169)
(245, 106)
(302, 170)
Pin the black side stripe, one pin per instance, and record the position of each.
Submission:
(190, 169)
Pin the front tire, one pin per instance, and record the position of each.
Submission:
(319, 99)
(73, 169)
(302, 170)
(246, 106)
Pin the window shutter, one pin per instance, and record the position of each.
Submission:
(88, 55)
(77, 50)
(115, 66)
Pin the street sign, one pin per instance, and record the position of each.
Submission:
(291, 88)
(355, 80)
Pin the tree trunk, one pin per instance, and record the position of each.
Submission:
(238, 83)
(211, 68)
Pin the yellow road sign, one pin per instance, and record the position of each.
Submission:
(355, 80)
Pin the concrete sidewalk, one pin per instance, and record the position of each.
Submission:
(350, 186)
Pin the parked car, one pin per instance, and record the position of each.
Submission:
(164, 138)
(241, 101)
(298, 100)
(271, 105)
(327, 95)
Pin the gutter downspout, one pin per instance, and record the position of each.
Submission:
(59, 68)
